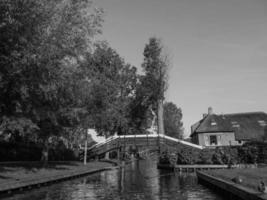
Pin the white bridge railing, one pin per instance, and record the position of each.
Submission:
(115, 137)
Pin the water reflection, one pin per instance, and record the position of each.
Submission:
(139, 180)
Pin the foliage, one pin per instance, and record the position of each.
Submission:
(164, 158)
(111, 89)
(155, 67)
(249, 153)
(188, 155)
(225, 155)
(18, 151)
(56, 81)
(205, 156)
(150, 90)
(172, 120)
(43, 43)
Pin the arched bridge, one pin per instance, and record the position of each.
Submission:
(140, 144)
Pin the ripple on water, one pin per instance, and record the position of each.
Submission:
(137, 181)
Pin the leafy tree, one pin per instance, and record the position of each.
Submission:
(173, 120)
(43, 43)
(153, 83)
(112, 87)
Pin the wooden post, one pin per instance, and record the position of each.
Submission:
(85, 148)
(107, 155)
(118, 154)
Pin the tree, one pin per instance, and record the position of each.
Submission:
(154, 82)
(43, 43)
(112, 86)
(172, 120)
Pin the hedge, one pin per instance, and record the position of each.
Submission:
(249, 153)
(14, 151)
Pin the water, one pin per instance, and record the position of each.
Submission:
(139, 180)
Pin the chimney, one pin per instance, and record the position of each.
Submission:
(210, 111)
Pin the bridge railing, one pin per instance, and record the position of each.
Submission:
(181, 141)
(107, 141)
(121, 137)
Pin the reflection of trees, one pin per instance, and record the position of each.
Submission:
(140, 178)
(110, 178)
(169, 185)
(121, 179)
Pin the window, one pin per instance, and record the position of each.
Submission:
(219, 139)
(262, 123)
(213, 123)
(206, 140)
(213, 140)
(235, 124)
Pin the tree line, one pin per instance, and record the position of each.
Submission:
(57, 80)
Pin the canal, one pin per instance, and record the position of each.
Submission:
(139, 180)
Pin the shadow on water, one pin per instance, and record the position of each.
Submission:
(139, 180)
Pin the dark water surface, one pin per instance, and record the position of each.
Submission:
(139, 180)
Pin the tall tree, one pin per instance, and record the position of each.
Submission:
(43, 43)
(154, 82)
(173, 120)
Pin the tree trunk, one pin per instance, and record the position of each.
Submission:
(160, 117)
(85, 148)
(45, 150)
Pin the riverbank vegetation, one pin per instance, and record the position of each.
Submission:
(250, 153)
(57, 79)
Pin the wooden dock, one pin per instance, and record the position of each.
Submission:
(200, 167)
(194, 168)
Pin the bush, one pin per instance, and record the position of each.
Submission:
(14, 151)
(188, 155)
(219, 156)
(228, 155)
(249, 153)
(164, 158)
(206, 156)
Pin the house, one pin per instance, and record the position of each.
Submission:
(229, 129)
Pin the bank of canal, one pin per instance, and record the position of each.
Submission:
(139, 180)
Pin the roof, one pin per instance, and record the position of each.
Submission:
(247, 126)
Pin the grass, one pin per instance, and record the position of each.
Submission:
(18, 173)
(250, 177)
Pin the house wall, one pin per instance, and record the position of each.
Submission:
(223, 139)
(194, 139)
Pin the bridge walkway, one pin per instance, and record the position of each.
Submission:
(140, 142)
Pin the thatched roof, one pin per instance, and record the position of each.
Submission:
(247, 126)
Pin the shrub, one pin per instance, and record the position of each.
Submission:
(14, 151)
(188, 156)
(164, 159)
(219, 156)
(205, 156)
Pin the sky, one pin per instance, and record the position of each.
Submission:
(217, 49)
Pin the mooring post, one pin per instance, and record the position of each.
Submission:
(85, 148)
(107, 155)
(118, 154)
